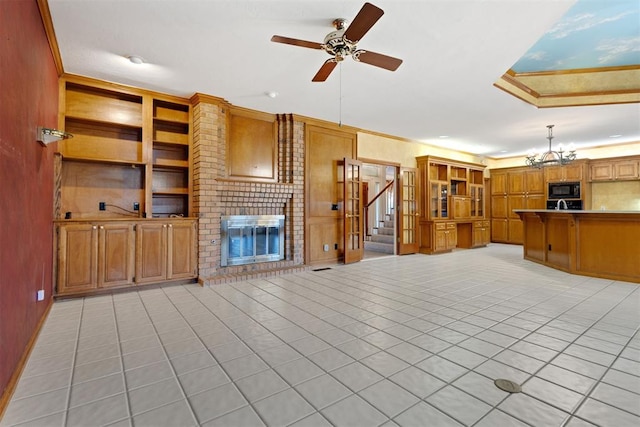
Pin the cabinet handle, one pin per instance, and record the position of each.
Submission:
(102, 227)
(170, 225)
(164, 225)
(94, 227)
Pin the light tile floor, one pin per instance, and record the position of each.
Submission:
(410, 341)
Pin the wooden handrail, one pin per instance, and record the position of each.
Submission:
(386, 187)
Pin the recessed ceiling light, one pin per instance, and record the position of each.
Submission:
(615, 136)
(135, 59)
(271, 94)
(443, 136)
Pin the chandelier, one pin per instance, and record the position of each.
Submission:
(550, 157)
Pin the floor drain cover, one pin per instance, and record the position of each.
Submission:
(508, 386)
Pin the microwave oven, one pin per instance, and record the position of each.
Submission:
(564, 190)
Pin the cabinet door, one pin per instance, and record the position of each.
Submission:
(151, 252)
(627, 169)
(115, 254)
(573, 172)
(516, 182)
(534, 181)
(77, 258)
(181, 250)
(452, 235)
(516, 202)
(461, 207)
(498, 183)
(535, 201)
(601, 172)
(499, 207)
(499, 230)
(553, 173)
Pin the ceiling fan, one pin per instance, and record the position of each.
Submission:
(342, 43)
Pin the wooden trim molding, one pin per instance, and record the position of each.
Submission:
(45, 14)
(7, 393)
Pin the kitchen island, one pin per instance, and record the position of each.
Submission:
(602, 244)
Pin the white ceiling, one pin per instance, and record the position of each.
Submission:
(453, 52)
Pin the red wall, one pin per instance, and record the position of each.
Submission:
(28, 98)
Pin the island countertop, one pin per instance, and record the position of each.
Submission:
(599, 243)
(569, 211)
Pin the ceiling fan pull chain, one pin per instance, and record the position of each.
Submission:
(340, 98)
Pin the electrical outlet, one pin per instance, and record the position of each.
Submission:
(102, 206)
(136, 206)
(40, 295)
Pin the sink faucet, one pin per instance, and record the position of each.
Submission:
(560, 202)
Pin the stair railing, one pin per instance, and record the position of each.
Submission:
(366, 208)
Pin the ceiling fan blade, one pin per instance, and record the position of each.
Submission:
(364, 20)
(296, 42)
(325, 70)
(377, 59)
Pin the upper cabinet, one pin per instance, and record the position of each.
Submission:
(252, 146)
(575, 171)
(130, 155)
(454, 190)
(618, 169)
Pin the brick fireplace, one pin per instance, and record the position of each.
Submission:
(217, 196)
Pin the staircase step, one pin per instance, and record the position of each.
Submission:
(382, 238)
(379, 247)
(385, 230)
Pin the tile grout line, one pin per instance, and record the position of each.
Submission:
(258, 356)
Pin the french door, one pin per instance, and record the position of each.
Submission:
(408, 218)
(353, 211)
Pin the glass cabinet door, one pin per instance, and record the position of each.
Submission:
(480, 201)
(444, 197)
(434, 202)
(474, 198)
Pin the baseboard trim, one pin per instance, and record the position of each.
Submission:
(13, 381)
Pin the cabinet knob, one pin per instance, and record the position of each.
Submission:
(164, 225)
(94, 227)
(102, 227)
(170, 225)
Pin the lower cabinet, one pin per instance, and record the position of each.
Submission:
(446, 236)
(120, 253)
(165, 251)
(481, 233)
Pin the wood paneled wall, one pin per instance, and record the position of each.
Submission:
(325, 148)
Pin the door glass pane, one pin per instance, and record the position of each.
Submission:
(444, 193)
(435, 190)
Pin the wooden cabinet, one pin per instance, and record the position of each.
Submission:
(445, 236)
(461, 207)
(94, 255)
(77, 258)
(514, 188)
(130, 155)
(165, 251)
(481, 233)
(454, 197)
(572, 172)
(617, 169)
